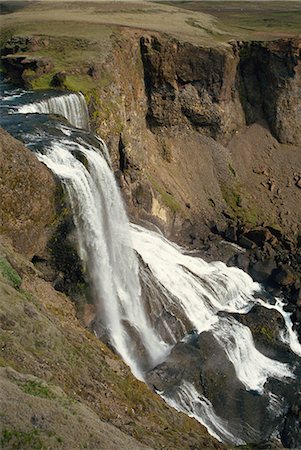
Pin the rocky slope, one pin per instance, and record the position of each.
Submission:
(60, 386)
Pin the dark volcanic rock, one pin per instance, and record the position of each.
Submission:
(260, 236)
(266, 326)
(291, 433)
(190, 85)
(284, 276)
(202, 362)
(271, 86)
(24, 70)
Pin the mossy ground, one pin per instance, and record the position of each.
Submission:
(241, 206)
(9, 273)
(166, 198)
(17, 440)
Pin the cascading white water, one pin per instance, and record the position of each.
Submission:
(71, 106)
(252, 367)
(189, 401)
(203, 289)
(105, 246)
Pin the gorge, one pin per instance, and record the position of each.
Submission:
(192, 290)
(212, 342)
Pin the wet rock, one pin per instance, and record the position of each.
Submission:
(298, 298)
(240, 260)
(291, 433)
(203, 362)
(266, 326)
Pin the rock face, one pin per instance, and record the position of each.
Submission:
(190, 85)
(174, 115)
(270, 84)
(26, 69)
(27, 192)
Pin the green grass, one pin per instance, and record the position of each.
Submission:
(248, 19)
(235, 198)
(69, 54)
(36, 389)
(20, 440)
(9, 273)
(79, 83)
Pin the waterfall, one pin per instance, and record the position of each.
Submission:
(105, 246)
(71, 106)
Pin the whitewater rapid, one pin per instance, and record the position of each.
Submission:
(201, 290)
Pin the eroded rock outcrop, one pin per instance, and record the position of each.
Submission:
(190, 85)
(28, 197)
(270, 85)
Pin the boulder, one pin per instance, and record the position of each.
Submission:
(261, 271)
(260, 236)
(284, 276)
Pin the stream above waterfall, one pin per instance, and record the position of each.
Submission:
(176, 320)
